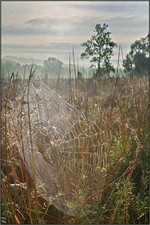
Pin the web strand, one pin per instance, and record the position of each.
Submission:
(69, 157)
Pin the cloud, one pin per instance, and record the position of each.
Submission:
(63, 26)
(50, 26)
(51, 46)
(38, 26)
(21, 31)
(40, 21)
(110, 7)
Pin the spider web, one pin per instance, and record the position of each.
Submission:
(60, 147)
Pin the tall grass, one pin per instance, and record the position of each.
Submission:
(119, 106)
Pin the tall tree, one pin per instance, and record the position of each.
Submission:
(136, 62)
(99, 48)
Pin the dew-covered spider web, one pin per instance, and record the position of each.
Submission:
(61, 149)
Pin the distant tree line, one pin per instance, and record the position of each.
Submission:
(51, 68)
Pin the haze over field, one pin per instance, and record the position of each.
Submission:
(49, 29)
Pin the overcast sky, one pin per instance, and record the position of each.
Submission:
(43, 29)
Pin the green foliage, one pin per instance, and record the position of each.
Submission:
(100, 49)
(136, 62)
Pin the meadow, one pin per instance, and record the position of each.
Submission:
(119, 107)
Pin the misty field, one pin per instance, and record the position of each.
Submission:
(101, 146)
